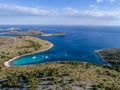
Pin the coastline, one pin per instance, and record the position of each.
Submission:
(101, 57)
(7, 63)
(46, 35)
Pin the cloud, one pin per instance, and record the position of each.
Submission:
(26, 10)
(94, 7)
(93, 13)
(99, 1)
(112, 0)
(71, 11)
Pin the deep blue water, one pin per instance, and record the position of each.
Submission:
(78, 45)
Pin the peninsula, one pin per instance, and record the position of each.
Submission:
(112, 56)
(13, 47)
(34, 32)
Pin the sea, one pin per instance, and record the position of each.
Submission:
(78, 45)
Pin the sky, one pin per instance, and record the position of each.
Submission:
(60, 12)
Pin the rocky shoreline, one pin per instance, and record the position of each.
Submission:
(101, 57)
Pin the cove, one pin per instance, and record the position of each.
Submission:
(78, 45)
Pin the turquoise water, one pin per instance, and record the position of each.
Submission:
(78, 45)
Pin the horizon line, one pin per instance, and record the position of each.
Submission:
(61, 25)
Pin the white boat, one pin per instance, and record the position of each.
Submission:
(33, 57)
(46, 57)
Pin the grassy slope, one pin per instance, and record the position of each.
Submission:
(69, 75)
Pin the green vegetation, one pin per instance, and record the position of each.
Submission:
(65, 74)
(112, 56)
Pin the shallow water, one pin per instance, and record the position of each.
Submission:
(78, 45)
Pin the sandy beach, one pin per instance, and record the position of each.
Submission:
(7, 63)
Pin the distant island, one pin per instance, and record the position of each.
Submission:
(35, 32)
(28, 33)
(11, 29)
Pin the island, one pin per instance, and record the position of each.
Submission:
(54, 75)
(33, 32)
(28, 33)
(14, 29)
(11, 29)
